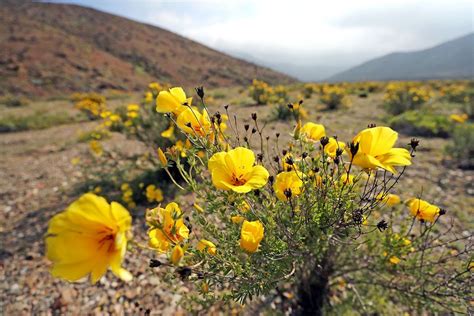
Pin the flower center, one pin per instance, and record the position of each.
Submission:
(107, 240)
(238, 180)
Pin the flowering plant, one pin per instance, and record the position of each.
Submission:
(302, 213)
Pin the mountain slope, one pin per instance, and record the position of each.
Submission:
(47, 49)
(452, 59)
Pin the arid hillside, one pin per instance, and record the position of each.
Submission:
(48, 49)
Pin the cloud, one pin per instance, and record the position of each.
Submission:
(335, 32)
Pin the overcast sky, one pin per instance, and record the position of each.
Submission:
(332, 33)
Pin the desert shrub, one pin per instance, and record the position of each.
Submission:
(405, 96)
(219, 95)
(457, 93)
(260, 91)
(308, 90)
(334, 96)
(14, 101)
(38, 120)
(278, 95)
(315, 216)
(422, 123)
(289, 111)
(91, 104)
(462, 145)
(98, 134)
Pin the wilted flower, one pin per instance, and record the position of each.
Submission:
(167, 227)
(87, 238)
(235, 170)
(172, 101)
(288, 180)
(206, 245)
(423, 210)
(251, 235)
(376, 150)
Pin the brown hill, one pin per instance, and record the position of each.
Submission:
(48, 49)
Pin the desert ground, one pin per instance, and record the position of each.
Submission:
(38, 180)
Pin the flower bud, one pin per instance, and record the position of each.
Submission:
(176, 254)
(354, 147)
(162, 157)
(154, 263)
(324, 141)
(200, 92)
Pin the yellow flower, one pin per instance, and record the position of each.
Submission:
(172, 101)
(153, 193)
(132, 114)
(114, 118)
(423, 210)
(194, 123)
(176, 255)
(347, 180)
(313, 131)
(285, 165)
(96, 147)
(288, 184)
(237, 219)
(394, 260)
(333, 145)
(251, 235)
(206, 245)
(168, 133)
(244, 206)
(87, 238)
(162, 157)
(133, 107)
(75, 161)
(235, 170)
(460, 118)
(148, 97)
(168, 227)
(389, 199)
(376, 150)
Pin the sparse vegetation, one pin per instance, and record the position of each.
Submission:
(38, 120)
(422, 123)
(462, 146)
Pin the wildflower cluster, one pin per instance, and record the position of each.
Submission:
(457, 92)
(403, 96)
(334, 96)
(262, 93)
(92, 104)
(303, 210)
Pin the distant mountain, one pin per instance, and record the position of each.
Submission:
(48, 49)
(450, 60)
(309, 72)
